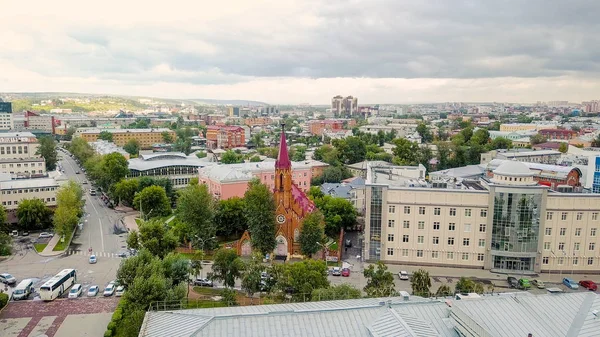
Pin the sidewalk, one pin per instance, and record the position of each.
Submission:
(444, 272)
(48, 251)
(129, 221)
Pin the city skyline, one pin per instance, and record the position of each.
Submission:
(305, 51)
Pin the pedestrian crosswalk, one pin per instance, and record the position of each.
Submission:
(98, 254)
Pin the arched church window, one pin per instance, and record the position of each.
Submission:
(281, 181)
(296, 235)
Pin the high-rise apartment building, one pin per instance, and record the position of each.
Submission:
(6, 119)
(344, 105)
(225, 137)
(233, 111)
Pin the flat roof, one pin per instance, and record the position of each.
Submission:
(28, 183)
(94, 131)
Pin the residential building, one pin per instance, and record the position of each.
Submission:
(512, 135)
(23, 167)
(16, 145)
(506, 223)
(316, 167)
(591, 164)
(546, 146)
(103, 147)
(225, 137)
(258, 121)
(233, 111)
(352, 189)
(414, 172)
(16, 190)
(231, 180)
(36, 121)
(514, 127)
(146, 137)
(518, 314)
(317, 127)
(6, 116)
(558, 134)
(401, 129)
(175, 166)
(524, 155)
(344, 105)
(591, 106)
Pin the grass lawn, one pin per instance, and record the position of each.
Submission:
(207, 291)
(60, 246)
(39, 246)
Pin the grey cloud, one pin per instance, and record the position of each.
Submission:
(374, 38)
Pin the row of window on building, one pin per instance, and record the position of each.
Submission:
(565, 215)
(436, 225)
(29, 190)
(15, 149)
(10, 202)
(563, 231)
(438, 211)
(435, 240)
(561, 260)
(420, 253)
(24, 165)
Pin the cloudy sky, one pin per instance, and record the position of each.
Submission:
(305, 51)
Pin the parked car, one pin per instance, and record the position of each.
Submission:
(570, 283)
(346, 272)
(403, 275)
(120, 291)
(93, 291)
(76, 172)
(122, 254)
(524, 284)
(75, 291)
(14, 233)
(203, 282)
(45, 235)
(512, 282)
(539, 284)
(7, 278)
(84, 182)
(93, 259)
(109, 290)
(25, 233)
(588, 284)
(336, 271)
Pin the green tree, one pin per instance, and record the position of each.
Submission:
(155, 237)
(81, 149)
(133, 240)
(302, 278)
(177, 268)
(3, 224)
(380, 282)
(299, 153)
(501, 143)
(255, 159)
(125, 191)
(420, 283)
(251, 275)
(113, 167)
(315, 192)
(351, 149)
(342, 291)
(152, 201)
(443, 291)
(105, 135)
(338, 212)
(144, 264)
(259, 210)
(201, 154)
(465, 285)
(230, 217)
(563, 147)
(537, 139)
(5, 244)
(227, 267)
(257, 140)
(167, 138)
(47, 150)
(132, 147)
(423, 130)
(195, 207)
(312, 233)
(33, 214)
(405, 152)
(230, 157)
(69, 134)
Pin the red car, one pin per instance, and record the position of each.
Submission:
(590, 285)
(345, 272)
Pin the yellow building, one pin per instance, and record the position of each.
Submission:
(514, 127)
(146, 137)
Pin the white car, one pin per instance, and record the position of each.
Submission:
(93, 291)
(120, 291)
(403, 275)
(7, 279)
(109, 290)
(45, 235)
(93, 259)
(75, 291)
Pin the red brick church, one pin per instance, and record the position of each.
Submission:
(292, 205)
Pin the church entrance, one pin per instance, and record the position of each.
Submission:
(281, 250)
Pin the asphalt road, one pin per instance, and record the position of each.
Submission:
(98, 229)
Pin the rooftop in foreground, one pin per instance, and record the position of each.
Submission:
(507, 315)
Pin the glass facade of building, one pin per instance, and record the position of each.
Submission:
(515, 230)
(375, 224)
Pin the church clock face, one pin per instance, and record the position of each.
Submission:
(280, 218)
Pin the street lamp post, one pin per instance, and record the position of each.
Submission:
(202, 249)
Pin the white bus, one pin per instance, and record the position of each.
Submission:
(58, 284)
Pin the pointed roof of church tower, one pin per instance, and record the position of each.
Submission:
(283, 159)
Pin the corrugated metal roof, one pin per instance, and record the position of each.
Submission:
(168, 324)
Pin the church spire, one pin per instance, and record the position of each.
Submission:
(283, 159)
